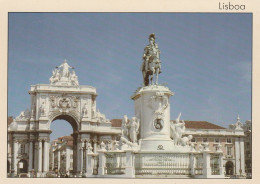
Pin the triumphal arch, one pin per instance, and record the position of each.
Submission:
(63, 99)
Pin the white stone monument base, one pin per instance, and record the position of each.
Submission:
(162, 146)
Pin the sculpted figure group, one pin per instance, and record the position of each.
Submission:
(130, 130)
(62, 73)
(177, 130)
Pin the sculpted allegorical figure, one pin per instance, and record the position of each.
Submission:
(125, 127)
(74, 78)
(84, 110)
(55, 76)
(177, 130)
(42, 109)
(65, 69)
(151, 61)
(134, 129)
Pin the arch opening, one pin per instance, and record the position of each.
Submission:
(63, 149)
(229, 168)
(23, 166)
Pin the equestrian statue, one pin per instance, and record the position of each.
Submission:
(151, 62)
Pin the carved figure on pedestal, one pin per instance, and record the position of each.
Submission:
(125, 127)
(177, 130)
(134, 129)
(84, 110)
(151, 62)
(42, 109)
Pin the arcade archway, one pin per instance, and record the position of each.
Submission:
(23, 166)
(229, 168)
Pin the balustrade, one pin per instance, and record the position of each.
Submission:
(115, 163)
(162, 164)
(198, 164)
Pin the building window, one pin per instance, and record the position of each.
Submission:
(229, 150)
(71, 164)
(193, 139)
(205, 139)
(229, 140)
(71, 156)
(216, 140)
(215, 148)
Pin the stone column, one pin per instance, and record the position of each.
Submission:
(30, 155)
(81, 157)
(14, 158)
(221, 168)
(102, 163)
(206, 164)
(242, 156)
(237, 155)
(58, 160)
(35, 156)
(86, 156)
(95, 146)
(45, 155)
(52, 158)
(129, 169)
(40, 156)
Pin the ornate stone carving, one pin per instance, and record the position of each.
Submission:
(85, 110)
(158, 124)
(103, 146)
(101, 118)
(177, 129)
(158, 102)
(53, 101)
(42, 109)
(185, 140)
(64, 103)
(62, 75)
(238, 125)
(116, 146)
(24, 115)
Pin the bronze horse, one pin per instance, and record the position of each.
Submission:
(154, 67)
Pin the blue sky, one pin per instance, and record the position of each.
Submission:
(206, 60)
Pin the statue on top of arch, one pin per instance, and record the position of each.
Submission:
(62, 76)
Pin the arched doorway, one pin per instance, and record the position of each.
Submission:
(67, 148)
(23, 166)
(229, 168)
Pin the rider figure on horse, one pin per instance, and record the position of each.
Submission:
(151, 58)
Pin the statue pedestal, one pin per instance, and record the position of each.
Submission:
(152, 107)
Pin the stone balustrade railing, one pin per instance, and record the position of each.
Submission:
(130, 164)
